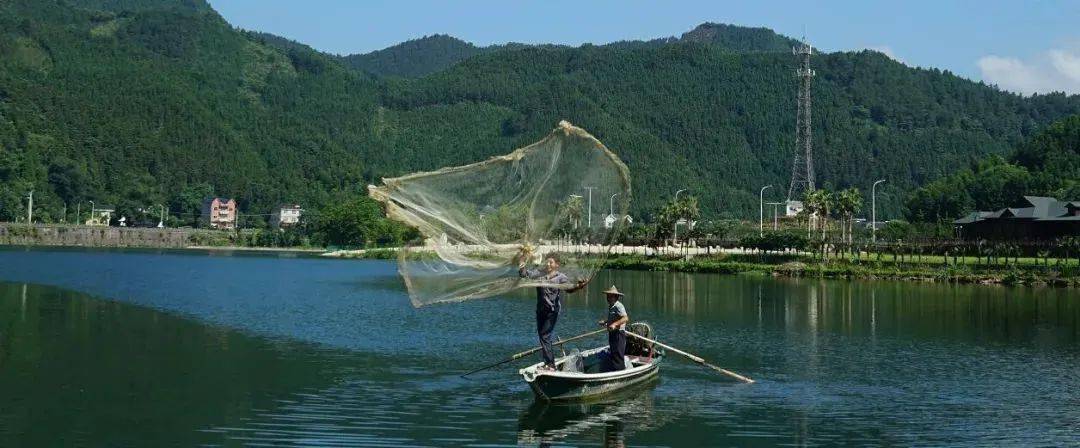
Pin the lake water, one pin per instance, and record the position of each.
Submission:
(147, 348)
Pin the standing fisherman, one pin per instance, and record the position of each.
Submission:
(615, 323)
(548, 301)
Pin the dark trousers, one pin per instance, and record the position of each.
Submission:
(545, 327)
(616, 350)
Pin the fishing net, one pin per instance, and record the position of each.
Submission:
(479, 222)
(574, 362)
(638, 347)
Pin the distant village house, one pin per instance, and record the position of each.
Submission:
(285, 215)
(219, 213)
(1045, 219)
(793, 208)
(100, 216)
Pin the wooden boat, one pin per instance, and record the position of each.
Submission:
(583, 381)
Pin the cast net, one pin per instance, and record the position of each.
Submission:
(480, 222)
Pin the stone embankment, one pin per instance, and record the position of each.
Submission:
(85, 236)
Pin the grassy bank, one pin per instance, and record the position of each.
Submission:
(1033, 272)
(797, 266)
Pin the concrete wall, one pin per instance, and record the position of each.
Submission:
(67, 235)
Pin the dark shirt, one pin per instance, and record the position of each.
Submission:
(547, 298)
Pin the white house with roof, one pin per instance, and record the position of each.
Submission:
(285, 215)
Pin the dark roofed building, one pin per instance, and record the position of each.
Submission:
(1046, 218)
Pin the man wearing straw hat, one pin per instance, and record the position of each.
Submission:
(615, 322)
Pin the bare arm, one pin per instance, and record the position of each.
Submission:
(581, 283)
(611, 326)
(525, 272)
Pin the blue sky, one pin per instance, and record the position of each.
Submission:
(1023, 46)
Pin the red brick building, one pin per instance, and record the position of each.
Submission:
(219, 213)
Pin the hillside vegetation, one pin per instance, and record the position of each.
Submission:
(1048, 165)
(138, 102)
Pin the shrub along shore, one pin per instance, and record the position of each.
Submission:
(1064, 275)
(1017, 271)
(1056, 265)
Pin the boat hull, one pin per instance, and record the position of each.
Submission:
(565, 386)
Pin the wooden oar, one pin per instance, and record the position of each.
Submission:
(694, 358)
(531, 351)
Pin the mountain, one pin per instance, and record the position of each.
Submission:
(415, 58)
(139, 102)
(739, 39)
(691, 115)
(429, 54)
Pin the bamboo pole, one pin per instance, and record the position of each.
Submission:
(692, 357)
(525, 353)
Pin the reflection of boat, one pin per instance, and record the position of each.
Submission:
(631, 408)
(580, 377)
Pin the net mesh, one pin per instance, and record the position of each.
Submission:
(479, 222)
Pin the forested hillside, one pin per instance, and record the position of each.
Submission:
(1048, 165)
(415, 58)
(141, 102)
(429, 54)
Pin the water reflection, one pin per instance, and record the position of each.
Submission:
(546, 423)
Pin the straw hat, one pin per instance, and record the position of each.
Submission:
(613, 291)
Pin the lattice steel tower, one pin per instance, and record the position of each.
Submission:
(802, 172)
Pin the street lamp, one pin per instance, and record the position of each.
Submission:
(873, 210)
(590, 206)
(30, 208)
(761, 210)
(611, 204)
(675, 236)
(161, 223)
(92, 207)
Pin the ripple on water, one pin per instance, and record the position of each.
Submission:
(837, 363)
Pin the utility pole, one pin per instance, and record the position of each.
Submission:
(590, 206)
(775, 221)
(78, 212)
(30, 209)
(761, 210)
(873, 210)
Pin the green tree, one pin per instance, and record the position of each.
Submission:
(187, 203)
(686, 208)
(848, 203)
(354, 223)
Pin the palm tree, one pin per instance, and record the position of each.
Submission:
(814, 204)
(574, 207)
(685, 208)
(848, 203)
(828, 202)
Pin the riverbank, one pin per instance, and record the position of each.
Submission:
(800, 266)
(1021, 271)
(66, 235)
(928, 269)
